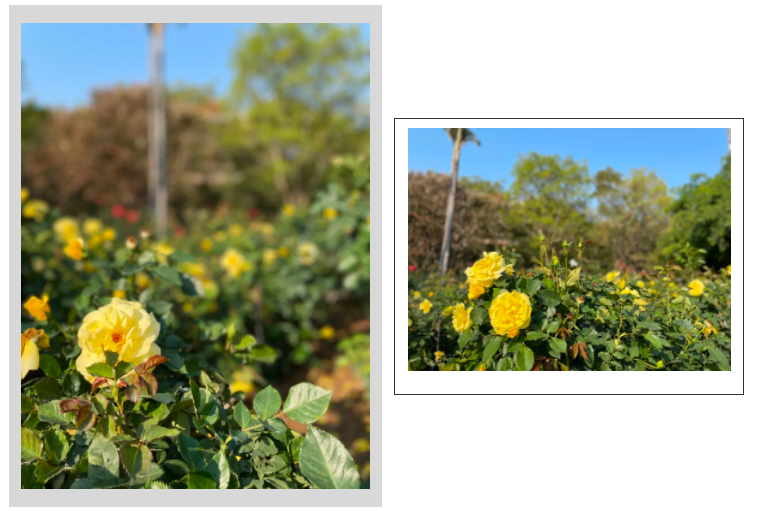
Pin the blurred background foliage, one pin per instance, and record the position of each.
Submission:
(634, 221)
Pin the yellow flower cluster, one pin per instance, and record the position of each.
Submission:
(510, 312)
(484, 272)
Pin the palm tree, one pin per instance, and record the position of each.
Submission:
(157, 186)
(459, 136)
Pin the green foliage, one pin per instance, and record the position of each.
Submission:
(629, 323)
(701, 217)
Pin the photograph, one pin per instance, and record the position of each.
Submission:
(569, 249)
(195, 256)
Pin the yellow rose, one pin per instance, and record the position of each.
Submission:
(283, 252)
(326, 332)
(641, 303)
(709, 329)
(37, 307)
(109, 234)
(509, 270)
(462, 318)
(486, 270)
(241, 386)
(330, 213)
(92, 226)
(234, 263)
(671, 284)
(630, 292)
(24, 194)
(308, 252)
(289, 210)
(118, 293)
(66, 229)
(652, 282)
(425, 306)
(95, 241)
(30, 357)
(622, 284)
(194, 269)
(639, 283)
(164, 250)
(122, 327)
(696, 288)
(268, 256)
(510, 312)
(410, 322)
(611, 276)
(35, 209)
(417, 294)
(75, 249)
(728, 270)
(475, 289)
(438, 355)
(206, 245)
(482, 367)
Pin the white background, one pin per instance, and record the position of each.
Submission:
(571, 59)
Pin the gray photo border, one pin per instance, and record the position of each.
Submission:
(371, 14)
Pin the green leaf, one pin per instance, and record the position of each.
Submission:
(219, 470)
(263, 353)
(183, 257)
(655, 341)
(200, 480)
(478, 315)
(536, 335)
(45, 471)
(464, 338)
(136, 460)
(276, 424)
(246, 342)
(50, 366)
(558, 345)
(326, 463)
(112, 357)
(56, 445)
(50, 412)
(533, 287)
(649, 325)
(549, 298)
(491, 348)
(103, 462)
(525, 359)
(306, 403)
(156, 432)
(267, 402)
(242, 415)
(122, 368)
(101, 369)
(191, 286)
(553, 326)
(31, 446)
(168, 274)
(191, 452)
(73, 382)
(716, 355)
(48, 388)
(27, 405)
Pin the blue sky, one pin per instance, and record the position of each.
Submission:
(673, 153)
(63, 62)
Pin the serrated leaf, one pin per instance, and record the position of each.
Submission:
(27, 405)
(491, 348)
(50, 366)
(168, 274)
(573, 277)
(56, 445)
(191, 452)
(716, 355)
(655, 341)
(101, 369)
(200, 480)
(50, 412)
(112, 357)
(649, 325)
(219, 470)
(136, 460)
(558, 345)
(156, 432)
(242, 415)
(306, 403)
(246, 342)
(553, 326)
(48, 388)
(478, 315)
(525, 359)
(536, 335)
(549, 298)
(103, 463)
(31, 445)
(267, 402)
(465, 337)
(533, 286)
(45, 471)
(122, 368)
(326, 463)
(276, 424)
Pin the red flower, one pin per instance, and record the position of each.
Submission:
(180, 231)
(412, 267)
(253, 212)
(118, 211)
(132, 216)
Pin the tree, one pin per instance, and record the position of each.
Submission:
(630, 217)
(458, 136)
(299, 100)
(549, 200)
(701, 217)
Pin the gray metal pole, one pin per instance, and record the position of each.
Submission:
(158, 190)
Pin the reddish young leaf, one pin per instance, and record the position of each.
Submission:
(149, 382)
(128, 379)
(98, 382)
(151, 362)
(133, 393)
(85, 419)
(69, 405)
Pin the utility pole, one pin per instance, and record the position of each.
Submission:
(156, 116)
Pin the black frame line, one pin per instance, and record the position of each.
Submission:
(743, 212)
